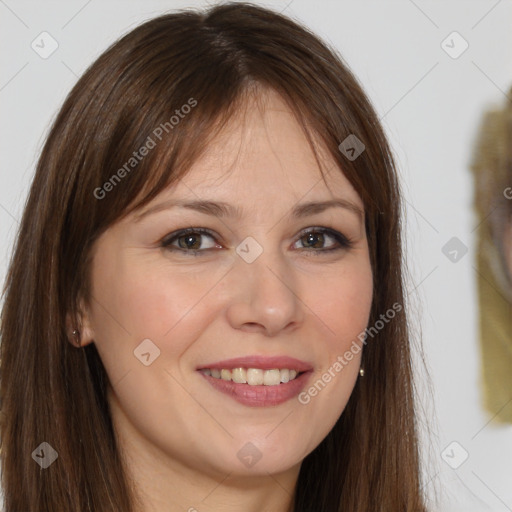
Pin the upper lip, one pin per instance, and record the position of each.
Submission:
(262, 362)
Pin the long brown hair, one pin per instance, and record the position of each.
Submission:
(54, 393)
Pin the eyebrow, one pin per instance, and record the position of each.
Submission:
(222, 209)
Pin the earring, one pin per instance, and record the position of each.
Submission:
(76, 334)
(361, 372)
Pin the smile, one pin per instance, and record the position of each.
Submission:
(256, 380)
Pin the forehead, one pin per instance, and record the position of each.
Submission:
(263, 150)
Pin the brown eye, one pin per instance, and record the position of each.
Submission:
(315, 239)
(190, 240)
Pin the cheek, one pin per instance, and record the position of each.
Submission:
(342, 307)
(343, 304)
(137, 302)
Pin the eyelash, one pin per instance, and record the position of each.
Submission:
(343, 241)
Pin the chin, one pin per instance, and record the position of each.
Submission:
(246, 457)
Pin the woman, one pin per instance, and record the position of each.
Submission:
(205, 307)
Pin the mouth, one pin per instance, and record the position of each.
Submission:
(257, 381)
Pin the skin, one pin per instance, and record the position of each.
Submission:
(179, 436)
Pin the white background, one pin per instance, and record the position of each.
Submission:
(430, 105)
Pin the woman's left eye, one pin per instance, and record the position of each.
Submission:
(315, 236)
(313, 239)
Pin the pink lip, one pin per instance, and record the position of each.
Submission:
(260, 396)
(264, 363)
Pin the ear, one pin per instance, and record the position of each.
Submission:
(83, 326)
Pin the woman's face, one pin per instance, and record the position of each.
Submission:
(265, 281)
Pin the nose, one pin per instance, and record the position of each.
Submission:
(265, 296)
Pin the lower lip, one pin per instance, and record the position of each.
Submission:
(260, 396)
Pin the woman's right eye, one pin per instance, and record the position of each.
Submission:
(188, 241)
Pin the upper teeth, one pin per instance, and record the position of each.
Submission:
(253, 376)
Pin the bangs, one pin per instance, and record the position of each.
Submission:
(177, 137)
